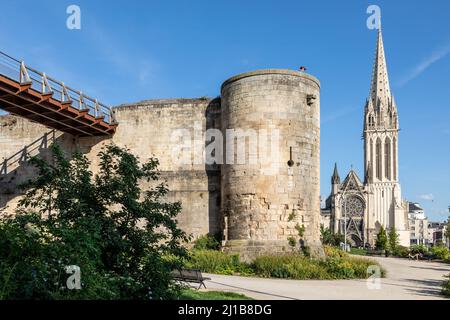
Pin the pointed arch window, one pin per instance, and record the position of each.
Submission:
(371, 120)
(371, 153)
(387, 158)
(394, 154)
(378, 159)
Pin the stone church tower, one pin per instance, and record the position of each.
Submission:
(376, 201)
(381, 128)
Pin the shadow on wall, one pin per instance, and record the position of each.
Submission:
(213, 121)
(16, 170)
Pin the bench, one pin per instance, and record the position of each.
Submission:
(190, 275)
(421, 256)
(426, 256)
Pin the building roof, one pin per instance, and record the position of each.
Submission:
(414, 207)
(335, 179)
(352, 181)
(380, 89)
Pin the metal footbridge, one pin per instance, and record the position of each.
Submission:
(33, 95)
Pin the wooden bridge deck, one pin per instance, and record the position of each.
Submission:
(41, 99)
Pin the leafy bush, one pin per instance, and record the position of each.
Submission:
(300, 229)
(361, 266)
(291, 266)
(207, 242)
(337, 265)
(401, 252)
(219, 262)
(105, 224)
(298, 267)
(334, 252)
(440, 252)
(292, 242)
(393, 240)
(381, 242)
(446, 287)
(328, 238)
(306, 251)
(418, 248)
(340, 268)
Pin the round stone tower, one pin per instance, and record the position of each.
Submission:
(270, 179)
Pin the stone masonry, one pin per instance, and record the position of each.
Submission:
(265, 203)
(256, 205)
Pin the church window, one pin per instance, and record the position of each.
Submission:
(354, 206)
(371, 152)
(378, 159)
(394, 153)
(387, 159)
(371, 121)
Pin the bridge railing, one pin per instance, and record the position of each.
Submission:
(17, 70)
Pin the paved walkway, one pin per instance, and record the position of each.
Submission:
(406, 279)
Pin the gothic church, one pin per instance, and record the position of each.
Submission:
(361, 208)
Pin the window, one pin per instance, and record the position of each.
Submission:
(371, 156)
(387, 159)
(394, 153)
(378, 159)
(371, 121)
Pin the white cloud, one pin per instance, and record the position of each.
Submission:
(425, 64)
(428, 197)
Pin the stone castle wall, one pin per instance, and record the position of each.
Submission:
(146, 129)
(266, 201)
(253, 207)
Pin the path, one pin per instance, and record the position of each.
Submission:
(406, 279)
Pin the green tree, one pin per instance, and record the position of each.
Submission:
(393, 240)
(327, 237)
(382, 239)
(447, 233)
(119, 235)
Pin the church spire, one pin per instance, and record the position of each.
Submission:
(335, 179)
(380, 91)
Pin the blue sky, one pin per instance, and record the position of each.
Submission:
(128, 51)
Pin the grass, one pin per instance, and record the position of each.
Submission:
(213, 261)
(336, 265)
(358, 251)
(190, 294)
(446, 287)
